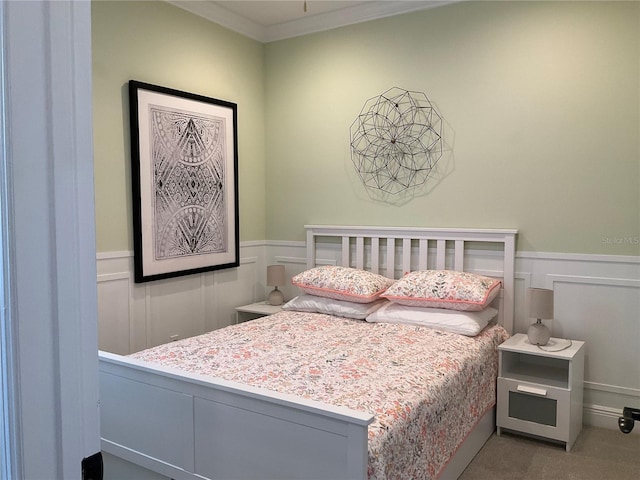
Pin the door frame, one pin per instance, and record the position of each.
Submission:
(50, 246)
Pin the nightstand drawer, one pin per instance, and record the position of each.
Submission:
(533, 408)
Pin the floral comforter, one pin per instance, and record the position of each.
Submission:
(426, 388)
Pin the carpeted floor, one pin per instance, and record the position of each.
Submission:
(598, 454)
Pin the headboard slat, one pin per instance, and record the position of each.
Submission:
(458, 256)
(375, 254)
(423, 253)
(406, 255)
(360, 253)
(391, 257)
(441, 254)
(346, 244)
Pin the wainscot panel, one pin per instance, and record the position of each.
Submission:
(132, 317)
(597, 300)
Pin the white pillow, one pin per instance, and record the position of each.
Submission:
(454, 321)
(331, 306)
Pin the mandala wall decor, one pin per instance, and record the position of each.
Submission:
(185, 183)
(396, 141)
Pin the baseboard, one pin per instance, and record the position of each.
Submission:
(604, 417)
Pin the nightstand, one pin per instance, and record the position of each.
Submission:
(540, 391)
(255, 310)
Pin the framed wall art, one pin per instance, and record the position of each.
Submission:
(184, 156)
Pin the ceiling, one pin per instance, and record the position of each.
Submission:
(268, 21)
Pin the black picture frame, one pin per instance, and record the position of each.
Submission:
(184, 165)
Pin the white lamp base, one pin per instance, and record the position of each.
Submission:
(538, 333)
(275, 297)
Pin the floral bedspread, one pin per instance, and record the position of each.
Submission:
(426, 388)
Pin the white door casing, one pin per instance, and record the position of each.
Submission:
(48, 114)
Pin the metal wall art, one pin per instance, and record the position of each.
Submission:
(396, 141)
(185, 182)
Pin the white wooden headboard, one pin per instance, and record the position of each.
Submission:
(393, 251)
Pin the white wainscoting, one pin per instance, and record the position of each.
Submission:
(134, 316)
(597, 300)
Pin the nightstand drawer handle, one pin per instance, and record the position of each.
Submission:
(532, 390)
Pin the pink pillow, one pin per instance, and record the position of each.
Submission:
(444, 289)
(342, 283)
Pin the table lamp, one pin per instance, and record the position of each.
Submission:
(540, 307)
(275, 277)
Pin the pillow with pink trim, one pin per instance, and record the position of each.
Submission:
(342, 283)
(448, 289)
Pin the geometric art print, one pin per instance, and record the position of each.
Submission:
(188, 154)
(184, 180)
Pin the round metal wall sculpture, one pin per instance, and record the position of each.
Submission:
(396, 141)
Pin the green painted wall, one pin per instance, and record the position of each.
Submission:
(161, 44)
(541, 101)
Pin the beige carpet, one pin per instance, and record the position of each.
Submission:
(598, 454)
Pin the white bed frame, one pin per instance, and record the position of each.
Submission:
(189, 426)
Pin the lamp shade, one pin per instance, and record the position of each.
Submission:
(540, 303)
(275, 275)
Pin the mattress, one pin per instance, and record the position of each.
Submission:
(427, 388)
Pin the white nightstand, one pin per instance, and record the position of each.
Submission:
(255, 310)
(540, 391)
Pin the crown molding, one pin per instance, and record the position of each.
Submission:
(226, 18)
(363, 12)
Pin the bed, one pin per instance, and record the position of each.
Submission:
(248, 413)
